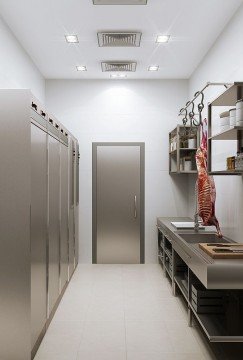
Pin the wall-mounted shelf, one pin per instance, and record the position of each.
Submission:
(227, 99)
(231, 134)
(179, 152)
(226, 172)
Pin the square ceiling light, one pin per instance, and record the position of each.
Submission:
(153, 68)
(120, 2)
(118, 76)
(81, 68)
(72, 39)
(162, 38)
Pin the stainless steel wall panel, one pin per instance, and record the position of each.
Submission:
(53, 220)
(64, 217)
(38, 231)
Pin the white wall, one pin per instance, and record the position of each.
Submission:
(122, 110)
(224, 62)
(17, 70)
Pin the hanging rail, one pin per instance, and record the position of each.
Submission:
(226, 85)
(191, 116)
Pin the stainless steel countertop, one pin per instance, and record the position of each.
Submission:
(213, 273)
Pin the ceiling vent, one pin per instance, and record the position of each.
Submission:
(109, 66)
(119, 39)
(120, 2)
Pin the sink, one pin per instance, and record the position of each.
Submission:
(202, 238)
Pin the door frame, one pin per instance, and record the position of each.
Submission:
(94, 195)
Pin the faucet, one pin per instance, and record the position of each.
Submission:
(196, 217)
(196, 222)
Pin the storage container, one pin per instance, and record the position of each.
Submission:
(187, 163)
(192, 143)
(206, 301)
(239, 113)
(224, 121)
(232, 117)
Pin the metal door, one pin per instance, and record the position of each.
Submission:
(118, 203)
(64, 217)
(38, 231)
(53, 220)
(71, 252)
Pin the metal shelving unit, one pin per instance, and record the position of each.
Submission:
(227, 99)
(179, 152)
(220, 326)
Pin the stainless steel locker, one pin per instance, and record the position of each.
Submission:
(53, 220)
(71, 252)
(38, 231)
(76, 217)
(64, 217)
(25, 128)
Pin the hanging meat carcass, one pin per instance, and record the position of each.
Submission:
(206, 191)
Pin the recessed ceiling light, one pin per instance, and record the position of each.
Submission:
(71, 39)
(162, 38)
(153, 68)
(81, 68)
(118, 76)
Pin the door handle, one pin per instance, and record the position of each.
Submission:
(135, 207)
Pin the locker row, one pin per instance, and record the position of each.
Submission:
(42, 212)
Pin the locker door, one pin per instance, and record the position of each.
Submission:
(54, 222)
(71, 253)
(64, 217)
(76, 221)
(38, 231)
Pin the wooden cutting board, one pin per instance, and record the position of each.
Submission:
(222, 250)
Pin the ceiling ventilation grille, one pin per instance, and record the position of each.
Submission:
(118, 66)
(120, 2)
(119, 39)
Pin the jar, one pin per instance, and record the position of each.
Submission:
(231, 163)
(187, 163)
(224, 121)
(232, 117)
(192, 143)
(239, 113)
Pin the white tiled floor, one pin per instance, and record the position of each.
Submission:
(121, 312)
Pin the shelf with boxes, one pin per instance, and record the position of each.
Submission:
(230, 129)
(183, 144)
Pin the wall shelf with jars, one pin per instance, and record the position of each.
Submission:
(183, 144)
(225, 131)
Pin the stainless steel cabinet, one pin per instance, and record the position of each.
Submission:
(38, 234)
(64, 217)
(71, 247)
(53, 220)
(38, 212)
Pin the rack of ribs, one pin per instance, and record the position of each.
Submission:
(206, 191)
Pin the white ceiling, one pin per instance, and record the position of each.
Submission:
(40, 26)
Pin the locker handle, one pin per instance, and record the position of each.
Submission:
(135, 207)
